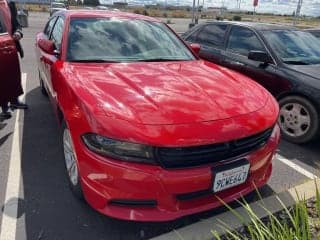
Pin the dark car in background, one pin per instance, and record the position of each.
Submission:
(56, 6)
(283, 59)
(314, 31)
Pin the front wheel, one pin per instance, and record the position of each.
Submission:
(71, 163)
(298, 119)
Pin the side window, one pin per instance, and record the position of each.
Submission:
(2, 28)
(193, 35)
(49, 26)
(212, 35)
(57, 32)
(243, 40)
(2, 25)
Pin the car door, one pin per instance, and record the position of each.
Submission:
(40, 53)
(9, 61)
(49, 60)
(240, 41)
(211, 39)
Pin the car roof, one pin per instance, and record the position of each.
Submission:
(258, 25)
(84, 13)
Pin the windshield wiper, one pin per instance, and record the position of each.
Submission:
(93, 61)
(296, 62)
(160, 60)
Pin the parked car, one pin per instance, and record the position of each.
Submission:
(283, 59)
(149, 131)
(56, 6)
(314, 31)
(101, 7)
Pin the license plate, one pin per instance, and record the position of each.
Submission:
(230, 175)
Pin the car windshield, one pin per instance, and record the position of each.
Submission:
(294, 46)
(57, 5)
(123, 40)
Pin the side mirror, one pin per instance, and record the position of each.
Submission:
(47, 46)
(260, 56)
(195, 48)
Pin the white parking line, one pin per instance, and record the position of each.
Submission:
(295, 167)
(10, 211)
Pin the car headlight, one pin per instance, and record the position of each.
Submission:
(116, 149)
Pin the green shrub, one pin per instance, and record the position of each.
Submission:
(236, 18)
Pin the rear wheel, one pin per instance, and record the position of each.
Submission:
(71, 163)
(298, 119)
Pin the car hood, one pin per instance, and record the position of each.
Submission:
(309, 70)
(166, 92)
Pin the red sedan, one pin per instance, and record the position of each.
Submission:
(151, 132)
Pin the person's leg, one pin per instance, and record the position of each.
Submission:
(5, 114)
(16, 104)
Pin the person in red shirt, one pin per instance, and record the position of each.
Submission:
(10, 83)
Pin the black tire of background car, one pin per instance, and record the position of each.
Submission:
(76, 189)
(313, 131)
(43, 89)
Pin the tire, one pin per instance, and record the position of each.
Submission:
(298, 119)
(43, 89)
(71, 163)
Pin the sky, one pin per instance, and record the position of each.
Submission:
(309, 7)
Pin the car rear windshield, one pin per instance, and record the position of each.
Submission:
(123, 40)
(294, 46)
(58, 5)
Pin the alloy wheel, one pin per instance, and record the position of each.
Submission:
(70, 158)
(294, 119)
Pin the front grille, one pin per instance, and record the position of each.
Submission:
(180, 157)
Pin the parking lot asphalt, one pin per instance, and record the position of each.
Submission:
(46, 206)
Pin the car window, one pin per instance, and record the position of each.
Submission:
(57, 5)
(49, 26)
(212, 35)
(316, 33)
(2, 27)
(122, 40)
(242, 40)
(191, 33)
(294, 46)
(57, 32)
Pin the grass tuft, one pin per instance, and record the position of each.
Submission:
(290, 224)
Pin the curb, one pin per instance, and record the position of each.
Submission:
(202, 230)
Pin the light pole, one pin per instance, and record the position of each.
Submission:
(193, 9)
(197, 14)
(297, 12)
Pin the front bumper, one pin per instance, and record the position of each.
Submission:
(142, 192)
